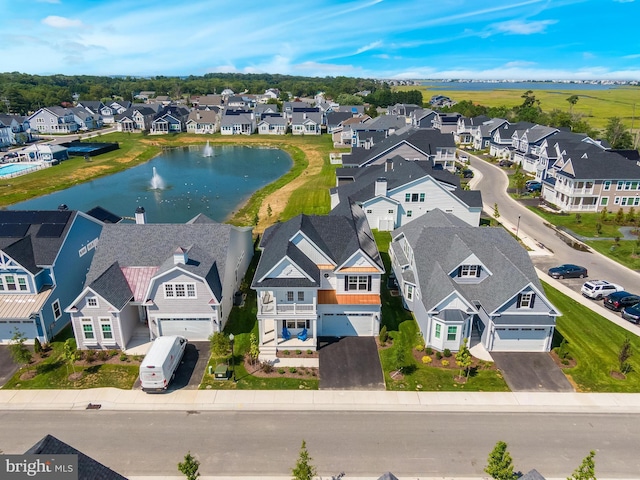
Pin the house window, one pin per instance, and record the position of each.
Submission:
(469, 271)
(619, 185)
(410, 292)
(390, 211)
(298, 324)
(105, 326)
(179, 290)
(422, 197)
(451, 333)
(526, 300)
(604, 201)
(10, 282)
(407, 197)
(13, 283)
(369, 210)
(357, 282)
(616, 201)
(87, 329)
(414, 197)
(438, 330)
(409, 213)
(92, 302)
(289, 296)
(57, 311)
(22, 284)
(301, 296)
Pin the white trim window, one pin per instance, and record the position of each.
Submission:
(57, 311)
(409, 292)
(13, 283)
(526, 300)
(469, 270)
(180, 290)
(92, 302)
(452, 333)
(87, 329)
(357, 283)
(106, 328)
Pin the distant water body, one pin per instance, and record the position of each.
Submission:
(185, 183)
(514, 86)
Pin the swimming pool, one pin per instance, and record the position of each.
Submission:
(11, 169)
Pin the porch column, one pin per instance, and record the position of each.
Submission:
(314, 327)
(261, 331)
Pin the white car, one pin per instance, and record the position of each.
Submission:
(598, 289)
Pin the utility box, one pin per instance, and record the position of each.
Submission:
(221, 372)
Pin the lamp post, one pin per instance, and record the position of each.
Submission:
(233, 367)
(518, 227)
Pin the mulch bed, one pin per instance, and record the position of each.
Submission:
(302, 373)
(566, 363)
(297, 353)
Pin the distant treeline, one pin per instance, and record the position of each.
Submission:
(22, 93)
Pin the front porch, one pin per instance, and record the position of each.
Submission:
(279, 335)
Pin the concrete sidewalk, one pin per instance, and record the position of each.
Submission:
(319, 400)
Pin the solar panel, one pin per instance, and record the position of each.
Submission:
(17, 230)
(50, 230)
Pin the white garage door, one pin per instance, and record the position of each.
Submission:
(191, 328)
(7, 329)
(347, 325)
(520, 339)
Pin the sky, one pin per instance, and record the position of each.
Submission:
(390, 39)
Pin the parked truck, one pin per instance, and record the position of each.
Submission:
(161, 362)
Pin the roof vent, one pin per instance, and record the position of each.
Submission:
(62, 207)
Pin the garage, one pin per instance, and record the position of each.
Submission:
(7, 329)
(347, 325)
(516, 339)
(191, 328)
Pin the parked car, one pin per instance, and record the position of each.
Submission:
(467, 173)
(534, 187)
(505, 163)
(463, 158)
(632, 313)
(568, 270)
(619, 300)
(598, 289)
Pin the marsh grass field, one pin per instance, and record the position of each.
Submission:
(596, 106)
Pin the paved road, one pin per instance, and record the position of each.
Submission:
(364, 444)
(493, 185)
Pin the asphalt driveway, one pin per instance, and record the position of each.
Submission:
(350, 363)
(531, 372)
(7, 367)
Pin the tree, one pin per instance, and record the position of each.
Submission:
(617, 134)
(496, 212)
(303, 469)
(219, 343)
(519, 179)
(623, 355)
(189, 467)
(17, 349)
(399, 357)
(254, 348)
(586, 470)
(70, 353)
(500, 464)
(573, 99)
(463, 358)
(37, 346)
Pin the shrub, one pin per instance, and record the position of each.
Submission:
(445, 363)
(266, 367)
(563, 350)
(384, 336)
(37, 346)
(298, 352)
(427, 359)
(124, 357)
(598, 228)
(446, 352)
(113, 353)
(428, 351)
(102, 355)
(90, 356)
(293, 369)
(438, 355)
(281, 371)
(138, 358)
(419, 348)
(309, 352)
(219, 344)
(287, 352)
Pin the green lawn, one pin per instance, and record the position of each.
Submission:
(583, 224)
(626, 252)
(594, 342)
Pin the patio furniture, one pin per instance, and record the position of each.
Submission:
(285, 333)
(302, 335)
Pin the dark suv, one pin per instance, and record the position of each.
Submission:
(618, 300)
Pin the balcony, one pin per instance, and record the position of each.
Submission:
(268, 305)
(573, 191)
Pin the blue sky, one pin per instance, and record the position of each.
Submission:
(496, 39)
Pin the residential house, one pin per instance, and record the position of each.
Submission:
(446, 122)
(403, 110)
(84, 118)
(14, 130)
(205, 101)
(203, 121)
(501, 143)
(414, 144)
(111, 109)
(587, 178)
(317, 276)
(343, 134)
(440, 101)
(483, 132)
(423, 117)
(43, 152)
(166, 279)
(334, 120)
(237, 124)
(272, 125)
(44, 257)
(91, 106)
(400, 191)
(53, 120)
(289, 107)
(171, 119)
(265, 110)
(135, 119)
(306, 123)
(476, 283)
(144, 95)
(527, 143)
(386, 125)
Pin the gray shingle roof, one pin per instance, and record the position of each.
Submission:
(113, 287)
(591, 162)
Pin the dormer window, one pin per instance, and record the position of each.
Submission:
(92, 302)
(526, 300)
(469, 271)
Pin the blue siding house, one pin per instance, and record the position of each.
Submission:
(44, 259)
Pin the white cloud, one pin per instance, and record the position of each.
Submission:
(519, 63)
(519, 27)
(631, 57)
(62, 22)
(371, 46)
(624, 1)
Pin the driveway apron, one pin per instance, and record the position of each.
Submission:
(531, 372)
(350, 363)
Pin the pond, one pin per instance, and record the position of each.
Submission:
(177, 185)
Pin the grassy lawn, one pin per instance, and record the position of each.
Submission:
(53, 372)
(594, 342)
(626, 252)
(586, 226)
(403, 329)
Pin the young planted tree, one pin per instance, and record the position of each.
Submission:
(463, 358)
(500, 464)
(625, 354)
(304, 470)
(18, 350)
(189, 468)
(586, 470)
(496, 212)
(220, 345)
(70, 353)
(254, 348)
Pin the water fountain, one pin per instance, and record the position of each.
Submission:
(157, 183)
(208, 150)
